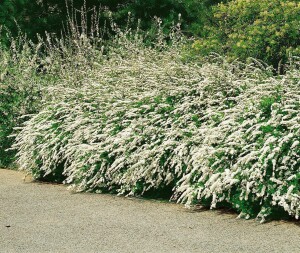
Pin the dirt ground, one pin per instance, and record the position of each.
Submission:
(36, 217)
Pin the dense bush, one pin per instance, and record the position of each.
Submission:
(194, 13)
(27, 70)
(142, 120)
(267, 30)
(126, 117)
(19, 92)
(33, 16)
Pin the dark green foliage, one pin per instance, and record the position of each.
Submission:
(24, 16)
(12, 102)
(33, 16)
(8, 100)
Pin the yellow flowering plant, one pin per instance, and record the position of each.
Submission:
(262, 29)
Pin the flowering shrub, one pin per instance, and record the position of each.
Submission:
(133, 119)
(20, 90)
(30, 73)
(144, 121)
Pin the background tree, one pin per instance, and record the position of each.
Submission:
(37, 16)
(262, 29)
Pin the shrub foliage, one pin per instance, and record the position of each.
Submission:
(137, 120)
(40, 16)
(267, 30)
(132, 118)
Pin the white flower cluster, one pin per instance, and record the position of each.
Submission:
(139, 119)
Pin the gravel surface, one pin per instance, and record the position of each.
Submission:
(36, 217)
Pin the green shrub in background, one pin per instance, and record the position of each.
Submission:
(22, 16)
(195, 14)
(33, 16)
(262, 29)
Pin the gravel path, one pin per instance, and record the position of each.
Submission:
(37, 217)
